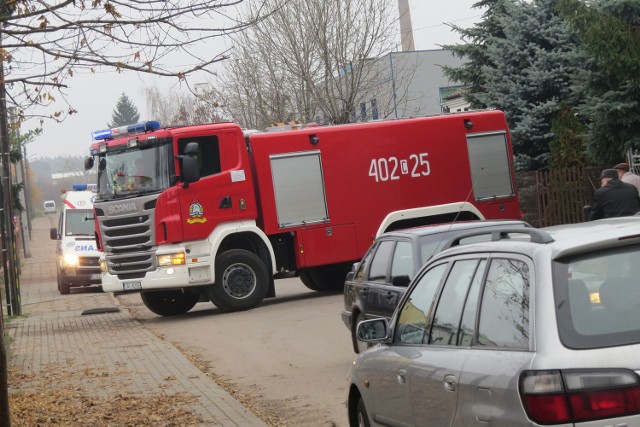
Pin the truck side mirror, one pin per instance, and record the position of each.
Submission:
(190, 169)
(53, 234)
(189, 164)
(88, 163)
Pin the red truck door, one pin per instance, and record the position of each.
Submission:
(207, 202)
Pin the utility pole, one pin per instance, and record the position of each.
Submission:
(27, 189)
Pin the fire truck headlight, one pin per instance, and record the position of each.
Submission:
(177, 258)
(103, 265)
(71, 260)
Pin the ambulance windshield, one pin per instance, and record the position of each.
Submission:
(79, 222)
(134, 171)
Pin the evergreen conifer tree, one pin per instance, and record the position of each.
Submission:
(610, 34)
(474, 50)
(534, 62)
(125, 113)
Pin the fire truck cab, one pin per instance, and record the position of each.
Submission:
(219, 214)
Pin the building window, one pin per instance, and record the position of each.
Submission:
(363, 111)
(374, 109)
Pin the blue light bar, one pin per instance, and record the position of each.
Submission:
(125, 130)
(79, 187)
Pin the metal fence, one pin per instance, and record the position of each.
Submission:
(556, 196)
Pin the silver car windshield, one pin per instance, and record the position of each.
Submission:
(134, 171)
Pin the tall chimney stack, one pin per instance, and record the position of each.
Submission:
(406, 33)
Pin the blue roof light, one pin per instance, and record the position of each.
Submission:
(125, 130)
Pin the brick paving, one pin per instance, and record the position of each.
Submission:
(53, 332)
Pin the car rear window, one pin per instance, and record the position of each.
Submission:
(598, 298)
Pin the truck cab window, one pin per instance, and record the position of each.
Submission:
(208, 153)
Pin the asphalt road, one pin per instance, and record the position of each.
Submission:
(289, 357)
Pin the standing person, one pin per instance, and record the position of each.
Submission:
(614, 198)
(626, 176)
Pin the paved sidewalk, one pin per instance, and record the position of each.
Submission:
(54, 334)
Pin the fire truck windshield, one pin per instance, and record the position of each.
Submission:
(132, 171)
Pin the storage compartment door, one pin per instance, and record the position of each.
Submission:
(298, 184)
(330, 245)
(490, 166)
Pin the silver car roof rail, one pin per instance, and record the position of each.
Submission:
(536, 235)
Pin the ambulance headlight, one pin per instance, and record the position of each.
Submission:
(71, 260)
(177, 258)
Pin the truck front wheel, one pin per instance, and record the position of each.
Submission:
(242, 281)
(169, 303)
(63, 286)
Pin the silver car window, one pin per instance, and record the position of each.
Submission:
(413, 321)
(468, 322)
(446, 322)
(504, 311)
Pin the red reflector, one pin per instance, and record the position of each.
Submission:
(591, 405)
(547, 409)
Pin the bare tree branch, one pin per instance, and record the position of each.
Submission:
(307, 60)
(45, 42)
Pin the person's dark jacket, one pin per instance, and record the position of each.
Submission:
(615, 199)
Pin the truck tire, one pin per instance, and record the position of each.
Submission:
(63, 287)
(169, 303)
(305, 278)
(329, 278)
(242, 281)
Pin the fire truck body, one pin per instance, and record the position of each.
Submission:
(224, 214)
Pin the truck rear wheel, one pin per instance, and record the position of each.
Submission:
(169, 303)
(305, 278)
(242, 281)
(327, 278)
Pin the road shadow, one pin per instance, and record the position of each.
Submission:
(216, 312)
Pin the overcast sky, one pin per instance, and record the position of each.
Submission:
(94, 96)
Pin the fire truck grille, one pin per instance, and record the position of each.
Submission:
(119, 232)
(133, 263)
(128, 240)
(126, 221)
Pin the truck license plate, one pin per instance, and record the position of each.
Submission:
(95, 276)
(131, 286)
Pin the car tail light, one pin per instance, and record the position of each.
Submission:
(571, 396)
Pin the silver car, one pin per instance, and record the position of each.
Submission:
(542, 330)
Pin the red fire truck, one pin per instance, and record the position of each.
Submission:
(210, 213)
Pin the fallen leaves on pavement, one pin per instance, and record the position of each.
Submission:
(59, 397)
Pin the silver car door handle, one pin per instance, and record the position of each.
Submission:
(450, 382)
(402, 376)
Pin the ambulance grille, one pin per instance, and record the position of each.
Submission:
(89, 262)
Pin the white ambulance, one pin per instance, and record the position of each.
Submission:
(77, 256)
